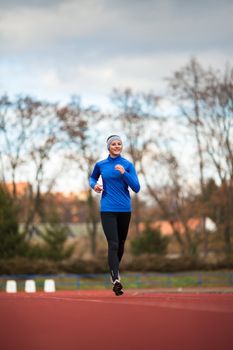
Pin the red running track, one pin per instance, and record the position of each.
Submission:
(99, 320)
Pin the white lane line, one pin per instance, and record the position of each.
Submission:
(149, 303)
(160, 304)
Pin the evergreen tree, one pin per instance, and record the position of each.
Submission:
(150, 241)
(55, 236)
(11, 240)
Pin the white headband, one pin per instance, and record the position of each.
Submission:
(113, 138)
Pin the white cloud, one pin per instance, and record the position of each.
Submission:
(55, 49)
(110, 26)
(25, 28)
(55, 81)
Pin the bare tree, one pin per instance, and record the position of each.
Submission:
(205, 99)
(136, 113)
(163, 176)
(16, 118)
(81, 126)
(187, 86)
(217, 128)
(29, 130)
(40, 157)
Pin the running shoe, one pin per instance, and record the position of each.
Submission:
(117, 288)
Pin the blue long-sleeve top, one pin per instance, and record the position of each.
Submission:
(115, 196)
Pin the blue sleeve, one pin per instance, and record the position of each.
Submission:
(131, 178)
(94, 176)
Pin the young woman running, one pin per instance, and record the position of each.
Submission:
(118, 174)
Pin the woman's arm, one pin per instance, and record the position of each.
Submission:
(94, 176)
(130, 177)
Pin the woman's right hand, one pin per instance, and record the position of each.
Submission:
(98, 188)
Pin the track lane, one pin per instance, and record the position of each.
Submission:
(95, 319)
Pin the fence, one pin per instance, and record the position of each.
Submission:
(131, 280)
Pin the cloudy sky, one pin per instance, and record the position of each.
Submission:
(56, 48)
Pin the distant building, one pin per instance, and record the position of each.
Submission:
(194, 224)
(22, 188)
(68, 205)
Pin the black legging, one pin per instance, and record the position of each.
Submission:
(115, 226)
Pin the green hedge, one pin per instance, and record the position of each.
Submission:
(142, 263)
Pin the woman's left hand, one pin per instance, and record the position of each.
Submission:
(120, 168)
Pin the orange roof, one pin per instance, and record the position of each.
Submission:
(21, 187)
(166, 228)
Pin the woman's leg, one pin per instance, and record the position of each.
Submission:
(109, 224)
(123, 220)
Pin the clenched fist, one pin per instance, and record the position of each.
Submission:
(120, 168)
(98, 188)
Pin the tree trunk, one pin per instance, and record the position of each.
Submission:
(227, 238)
(92, 222)
(136, 215)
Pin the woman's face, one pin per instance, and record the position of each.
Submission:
(115, 148)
